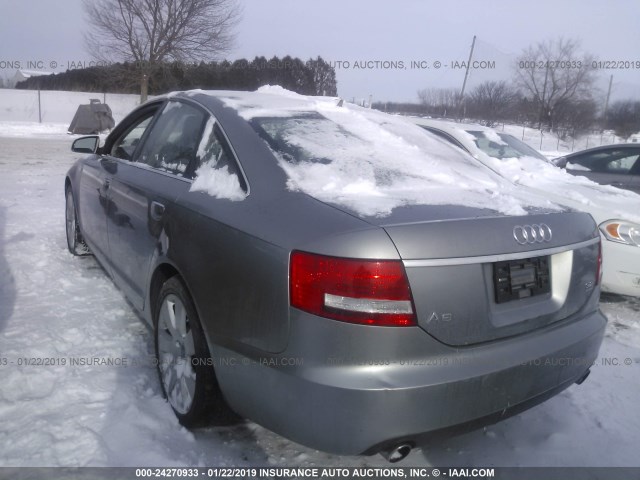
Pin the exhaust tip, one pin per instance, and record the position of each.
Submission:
(397, 453)
(583, 377)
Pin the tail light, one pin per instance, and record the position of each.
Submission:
(370, 292)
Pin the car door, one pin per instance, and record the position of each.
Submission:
(143, 191)
(94, 203)
(92, 206)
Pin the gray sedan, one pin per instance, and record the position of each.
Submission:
(333, 273)
(617, 165)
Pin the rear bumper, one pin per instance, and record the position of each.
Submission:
(620, 268)
(351, 389)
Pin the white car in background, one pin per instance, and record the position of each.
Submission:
(616, 211)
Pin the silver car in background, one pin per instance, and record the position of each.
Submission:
(322, 271)
(616, 211)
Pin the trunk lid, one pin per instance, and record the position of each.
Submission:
(481, 278)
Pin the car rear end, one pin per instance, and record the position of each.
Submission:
(472, 321)
(449, 298)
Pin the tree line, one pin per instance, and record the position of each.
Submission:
(311, 77)
(552, 88)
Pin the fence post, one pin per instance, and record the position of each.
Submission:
(541, 135)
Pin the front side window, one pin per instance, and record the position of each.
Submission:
(620, 162)
(173, 142)
(125, 146)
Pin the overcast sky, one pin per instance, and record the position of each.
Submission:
(49, 33)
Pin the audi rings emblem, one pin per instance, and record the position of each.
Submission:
(532, 233)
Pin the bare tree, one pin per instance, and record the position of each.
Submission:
(439, 101)
(553, 73)
(573, 117)
(623, 118)
(492, 101)
(151, 32)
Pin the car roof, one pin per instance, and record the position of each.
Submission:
(448, 125)
(614, 146)
(266, 101)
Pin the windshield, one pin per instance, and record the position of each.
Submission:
(501, 145)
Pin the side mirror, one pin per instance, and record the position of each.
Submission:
(86, 144)
(560, 162)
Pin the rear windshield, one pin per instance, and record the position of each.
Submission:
(313, 138)
(308, 138)
(373, 163)
(502, 145)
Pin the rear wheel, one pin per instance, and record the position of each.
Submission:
(184, 364)
(75, 243)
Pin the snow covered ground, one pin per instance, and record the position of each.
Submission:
(56, 306)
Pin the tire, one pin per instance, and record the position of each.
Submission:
(184, 363)
(75, 242)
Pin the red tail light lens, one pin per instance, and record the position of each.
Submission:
(370, 292)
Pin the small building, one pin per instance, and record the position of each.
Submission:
(22, 75)
(92, 119)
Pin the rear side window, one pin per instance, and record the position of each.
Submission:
(215, 169)
(214, 151)
(173, 142)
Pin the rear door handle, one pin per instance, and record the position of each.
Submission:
(157, 210)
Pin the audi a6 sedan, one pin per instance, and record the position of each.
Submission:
(617, 212)
(324, 271)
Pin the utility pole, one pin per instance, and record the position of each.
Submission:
(144, 88)
(544, 96)
(466, 73)
(606, 102)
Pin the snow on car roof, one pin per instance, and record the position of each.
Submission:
(449, 124)
(373, 162)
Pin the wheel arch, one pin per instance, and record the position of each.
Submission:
(162, 272)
